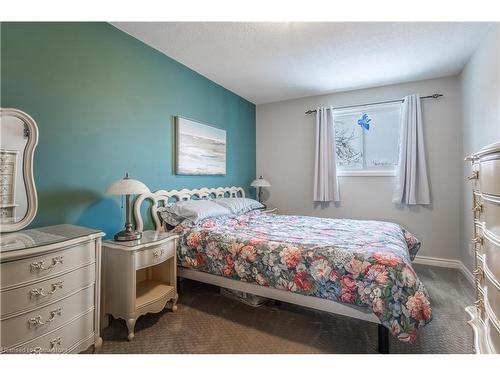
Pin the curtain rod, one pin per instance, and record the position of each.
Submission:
(433, 96)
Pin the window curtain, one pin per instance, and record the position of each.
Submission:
(326, 187)
(412, 185)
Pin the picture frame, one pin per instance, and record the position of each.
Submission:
(200, 149)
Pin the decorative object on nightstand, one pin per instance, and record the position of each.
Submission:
(140, 276)
(260, 183)
(127, 186)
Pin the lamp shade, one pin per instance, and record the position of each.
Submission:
(127, 186)
(260, 182)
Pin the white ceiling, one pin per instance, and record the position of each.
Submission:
(267, 62)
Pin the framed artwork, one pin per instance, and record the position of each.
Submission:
(200, 149)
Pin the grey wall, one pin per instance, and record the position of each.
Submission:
(285, 156)
(480, 86)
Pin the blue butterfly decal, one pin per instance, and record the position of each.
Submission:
(364, 121)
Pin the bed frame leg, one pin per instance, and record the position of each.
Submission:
(383, 339)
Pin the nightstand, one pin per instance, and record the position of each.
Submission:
(140, 276)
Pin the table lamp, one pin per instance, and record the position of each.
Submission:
(127, 186)
(260, 183)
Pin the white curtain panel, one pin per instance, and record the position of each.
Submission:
(326, 187)
(412, 184)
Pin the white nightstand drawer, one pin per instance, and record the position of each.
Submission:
(25, 270)
(154, 255)
(61, 339)
(40, 293)
(30, 325)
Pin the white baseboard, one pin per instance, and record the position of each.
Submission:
(446, 263)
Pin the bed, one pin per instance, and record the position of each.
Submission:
(361, 269)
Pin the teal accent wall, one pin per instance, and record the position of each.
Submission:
(104, 104)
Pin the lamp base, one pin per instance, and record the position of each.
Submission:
(128, 236)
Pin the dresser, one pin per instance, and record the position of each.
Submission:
(50, 290)
(485, 313)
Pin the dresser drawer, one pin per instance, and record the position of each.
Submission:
(6, 189)
(6, 179)
(154, 255)
(492, 295)
(489, 214)
(33, 324)
(35, 268)
(7, 157)
(40, 293)
(6, 199)
(492, 330)
(61, 339)
(489, 174)
(491, 255)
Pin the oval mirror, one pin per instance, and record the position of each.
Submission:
(18, 199)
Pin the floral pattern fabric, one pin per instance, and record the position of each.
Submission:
(357, 262)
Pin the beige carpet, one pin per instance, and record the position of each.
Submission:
(207, 322)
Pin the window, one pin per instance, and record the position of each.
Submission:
(367, 140)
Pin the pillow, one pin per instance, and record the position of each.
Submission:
(193, 210)
(239, 205)
(169, 218)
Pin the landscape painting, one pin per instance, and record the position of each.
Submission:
(200, 148)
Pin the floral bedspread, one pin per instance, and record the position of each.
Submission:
(363, 263)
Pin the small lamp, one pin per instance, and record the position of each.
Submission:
(260, 183)
(127, 186)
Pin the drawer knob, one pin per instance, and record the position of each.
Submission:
(158, 253)
(39, 266)
(37, 320)
(474, 175)
(40, 292)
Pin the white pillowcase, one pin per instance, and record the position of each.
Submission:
(193, 210)
(239, 206)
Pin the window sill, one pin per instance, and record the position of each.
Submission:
(367, 173)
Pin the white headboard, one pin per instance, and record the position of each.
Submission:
(160, 197)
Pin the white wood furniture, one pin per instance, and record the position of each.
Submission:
(485, 313)
(8, 169)
(140, 276)
(50, 290)
(19, 134)
(160, 197)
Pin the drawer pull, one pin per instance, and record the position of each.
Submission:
(474, 175)
(37, 320)
(39, 266)
(39, 292)
(158, 253)
(56, 342)
(478, 240)
(479, 273)
(53, 343)
(479, 304)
